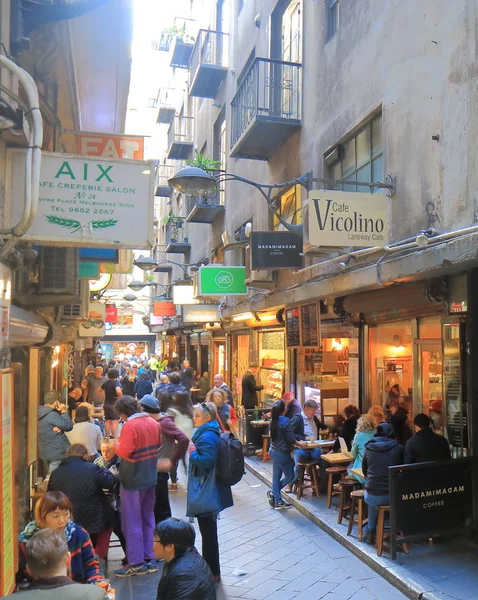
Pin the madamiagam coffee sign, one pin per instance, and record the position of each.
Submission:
(86, 201)
(348, 219)
(276, 250)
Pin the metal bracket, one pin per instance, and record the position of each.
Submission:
(389, 184)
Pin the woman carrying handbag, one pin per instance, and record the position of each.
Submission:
(206, 496)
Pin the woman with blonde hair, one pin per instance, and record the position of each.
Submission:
(128, 381)
(363, 433)
(226, 417)
(377, 414)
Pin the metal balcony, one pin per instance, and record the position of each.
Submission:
(266, 110)
(181, 54)
(208, 64)
(176, 242)
(180, 138)
(163, 189)
(162, 259)
(202, 209)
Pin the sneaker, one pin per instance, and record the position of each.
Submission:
(281, 505)
(152, 566)
(270, 498)
(129, 571)
(173, 487)
(369, 537)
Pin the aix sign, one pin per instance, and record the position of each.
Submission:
(348, 219)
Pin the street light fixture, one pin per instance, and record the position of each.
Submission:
(146, 263)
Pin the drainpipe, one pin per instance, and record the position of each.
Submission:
(32, 157)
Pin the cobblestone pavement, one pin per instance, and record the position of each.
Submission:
(267, 554)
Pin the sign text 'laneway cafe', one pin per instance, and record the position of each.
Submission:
(86, 201)
(348, 219)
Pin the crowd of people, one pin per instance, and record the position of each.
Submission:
(376, 440)
(112, 455)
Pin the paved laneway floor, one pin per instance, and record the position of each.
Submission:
(276, 555)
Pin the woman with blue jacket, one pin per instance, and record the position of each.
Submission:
(282, 441)
(364, 433)
(202, 460)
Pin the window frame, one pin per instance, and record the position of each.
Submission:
(281, 202)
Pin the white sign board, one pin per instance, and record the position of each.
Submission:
(86, 201)
(94, 325)
(348, 219)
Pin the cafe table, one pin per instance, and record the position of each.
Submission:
(327, 444)
(337, 458)
(260, 423)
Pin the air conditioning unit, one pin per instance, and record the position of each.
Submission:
(258, 278)
(58, 271)
(79, 310)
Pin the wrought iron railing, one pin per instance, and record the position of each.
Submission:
(174, 230)
(181, 131)
(211, 48)
(271, 88)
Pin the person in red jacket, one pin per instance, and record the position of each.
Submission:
(137, 447)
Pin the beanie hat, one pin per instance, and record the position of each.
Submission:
(384, 430)
(149, 401)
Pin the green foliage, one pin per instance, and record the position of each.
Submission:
(204, 162)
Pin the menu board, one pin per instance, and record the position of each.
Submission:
(309, 323)
(292, 327)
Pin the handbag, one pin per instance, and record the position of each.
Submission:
(203, 494)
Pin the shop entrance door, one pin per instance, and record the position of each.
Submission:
(429, 399)
(455, 409)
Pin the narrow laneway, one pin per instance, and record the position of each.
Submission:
(276, 555)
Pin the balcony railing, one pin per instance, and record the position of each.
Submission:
(208, 63)
(266, 109)
(176, 241)
(180, 137)
(201, 209)
(164, 173)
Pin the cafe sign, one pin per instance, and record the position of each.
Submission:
(85, 201)
(348, 219)
(200, 313)
(276, 250)
(222, 281)
(430, 499)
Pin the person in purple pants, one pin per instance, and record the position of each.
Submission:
(138, 449)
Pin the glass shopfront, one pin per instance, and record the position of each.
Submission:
(271, 361)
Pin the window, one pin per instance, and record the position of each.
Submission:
(220, 151)
(332, 18)
(289, 206)
(153, 103)
(359, 158)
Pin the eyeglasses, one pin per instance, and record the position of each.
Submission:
(156, 542)
(204, 405)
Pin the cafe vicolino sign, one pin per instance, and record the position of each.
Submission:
(86, 201)
(348, 219)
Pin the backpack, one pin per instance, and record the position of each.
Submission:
(230, 460)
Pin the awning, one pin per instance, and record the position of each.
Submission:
(28, 329)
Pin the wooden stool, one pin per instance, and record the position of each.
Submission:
(312, 470)
(357, 504)
(265, 446)
(347, 486)
(382, 536)
(331, 471)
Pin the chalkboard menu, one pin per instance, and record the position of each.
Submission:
(292, 327)
(309, 323)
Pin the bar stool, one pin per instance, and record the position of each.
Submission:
(265, 446)
(383, 511)
(347, 486)
(331, 472)
(312, 470)
(357, 504)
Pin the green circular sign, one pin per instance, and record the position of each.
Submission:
(224, 280)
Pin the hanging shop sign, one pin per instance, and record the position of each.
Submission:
(184, 294)
(99, 255)
(154, 321)
(222, 281)
(303, 326)
(348, 219)
(164, 309)
(111, 314)
(98, 285)
(430, 499)
(200, 313)
(94, 326)
(109, 145)
(276, 250)
(88, 270)
(86, 201)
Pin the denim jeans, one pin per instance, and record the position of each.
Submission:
(373, 501)
(282, 472)
(303, 455)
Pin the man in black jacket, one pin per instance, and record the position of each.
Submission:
(187, 375)
(250, 387)
(425, 445)
(186, 575)
(381, 452)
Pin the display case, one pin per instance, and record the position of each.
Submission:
(272, 378)
(271, 356)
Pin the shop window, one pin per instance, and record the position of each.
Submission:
(358, 158)
(332, 7)
(271, 358)
(289, 206)
(391, 364)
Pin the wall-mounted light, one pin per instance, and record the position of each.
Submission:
(337, 344)
(243, 317)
